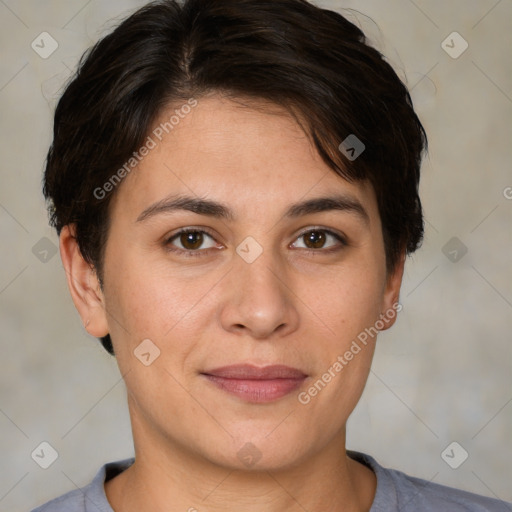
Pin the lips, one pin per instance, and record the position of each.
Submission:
(247, 371)
(256, 384)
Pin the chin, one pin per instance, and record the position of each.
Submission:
(254, 452)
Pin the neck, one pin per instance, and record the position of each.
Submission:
(167, 475)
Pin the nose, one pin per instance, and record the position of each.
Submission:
(259, 300)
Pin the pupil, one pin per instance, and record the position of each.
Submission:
(191, 240)
(316, 238)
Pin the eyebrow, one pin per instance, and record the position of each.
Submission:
(345, 203)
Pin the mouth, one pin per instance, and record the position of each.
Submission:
(256, 384)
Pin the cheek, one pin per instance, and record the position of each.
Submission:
(347, 300)
(155, 300)
(349, 304)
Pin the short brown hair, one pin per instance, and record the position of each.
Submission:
(312, 61)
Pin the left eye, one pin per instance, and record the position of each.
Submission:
(316, 239)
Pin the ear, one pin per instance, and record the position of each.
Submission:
(83, 284)
(390, 303)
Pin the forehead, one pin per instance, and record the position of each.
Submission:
(249, 154)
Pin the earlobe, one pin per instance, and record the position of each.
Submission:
(83, 284)
(391, 305)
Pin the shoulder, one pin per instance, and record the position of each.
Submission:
(73, 501)
(90, 498)
(399, 491)
(421, 495)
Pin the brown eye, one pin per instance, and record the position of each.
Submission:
(191, 240)
(320, 241)
(315, 239)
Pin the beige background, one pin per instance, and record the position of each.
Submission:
(442, 374)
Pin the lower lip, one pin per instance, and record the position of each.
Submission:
(256, 391)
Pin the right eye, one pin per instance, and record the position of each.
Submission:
(190, 239)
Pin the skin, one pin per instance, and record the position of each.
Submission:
(290, 306)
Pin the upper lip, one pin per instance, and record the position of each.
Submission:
(248, 371)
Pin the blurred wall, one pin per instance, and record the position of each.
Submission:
(441, 375)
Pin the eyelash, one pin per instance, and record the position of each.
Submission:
(205, 252)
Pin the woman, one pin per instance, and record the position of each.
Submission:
(235, 187)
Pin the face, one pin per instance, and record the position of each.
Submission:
(270, 273)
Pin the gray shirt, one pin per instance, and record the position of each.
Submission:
(396, 491)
